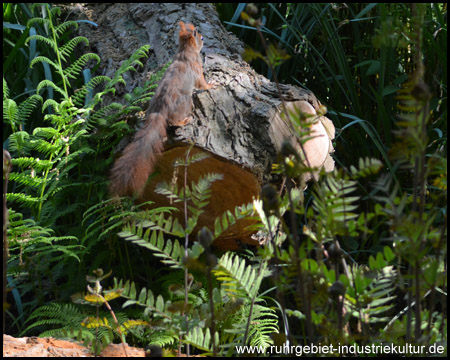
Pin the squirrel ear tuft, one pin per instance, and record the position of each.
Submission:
(182, 26)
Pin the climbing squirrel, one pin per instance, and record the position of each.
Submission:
(171, 105)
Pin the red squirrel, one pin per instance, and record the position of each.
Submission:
(171, 105)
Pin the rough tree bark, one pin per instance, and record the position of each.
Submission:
(238, 122)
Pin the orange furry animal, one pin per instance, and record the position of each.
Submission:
(171, 105)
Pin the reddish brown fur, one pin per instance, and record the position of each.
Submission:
(171, 105)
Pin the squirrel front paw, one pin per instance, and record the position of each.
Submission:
(212, 84)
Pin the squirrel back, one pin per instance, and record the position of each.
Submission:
(170, 105)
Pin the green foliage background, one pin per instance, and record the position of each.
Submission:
(354, 58)
(358, 258)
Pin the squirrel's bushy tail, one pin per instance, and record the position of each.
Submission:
(131, 171)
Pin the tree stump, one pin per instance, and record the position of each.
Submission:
(238, 123)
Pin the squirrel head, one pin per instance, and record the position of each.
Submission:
(190, 38)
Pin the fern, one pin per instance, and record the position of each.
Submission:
(153, 305)
(170, 252)
(264, 322)
(5, 89)
(17, 115)
(129, 65)
(201, 339)
(68, 48)
(228, 219)
(80, 95)
(333, 199)
(74, 70)
(80, 323)
(29, 238)
(66, 316)
(162, 338)
(369, 298)
(238, 278)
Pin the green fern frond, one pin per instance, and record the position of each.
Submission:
(171, 253)
(60, 29)
(52, 103)
(27, 238)
(28, 106)
(162, 338)
(46, 133)
(74, 70)
(41, 21)
(98, 117)
(201, 190)
(129, 65)
(80, 95)
(140, 53)
(54, 11)
(366, 167)
(19, 143)
(67, 316)
(264, 322)
(238, 278)
(25, 200)
(153, 305)
(49, 216)
(10, 113)
(29, 162)
(47, 41)
(26, 179)
(18, 115)
(40, 59)
(170, 191)
(197, 157)
(45, 147)
(53, 249)
(47, 83)
(221, 224)
(79, 323)
(5, 90)
(370, 297)
(109, 215)
(334, 204)
(201, 339)
(198, 194)
(20, 227)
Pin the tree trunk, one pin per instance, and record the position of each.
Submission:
(238, 122)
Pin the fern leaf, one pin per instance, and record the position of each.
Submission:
(40, 59)
(26, 179)
(228, 218)
(162, 338)
(5, 90)
(145, 298)
(238, 279)
(26, 200)
(29, 162)
(201, 339)
(74, 70)
(79, 97)
(28, 106)
(49, 42)
(154, 241)
(10, 112)
(60, 29)
(48, 83)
